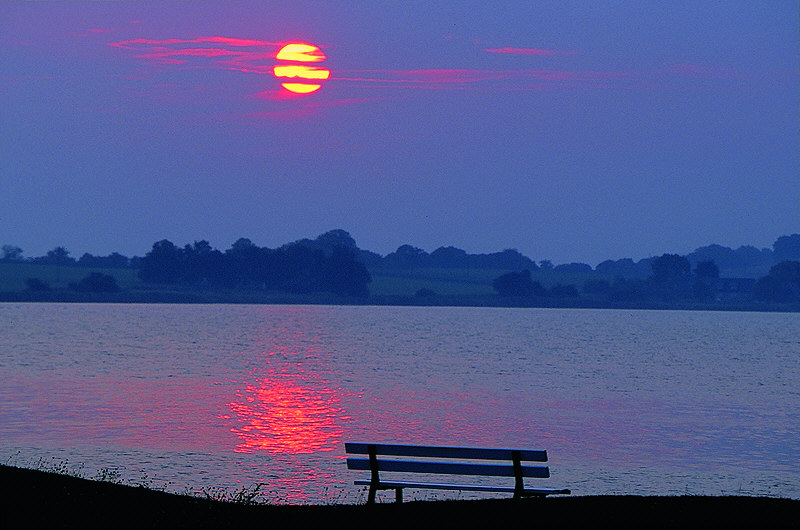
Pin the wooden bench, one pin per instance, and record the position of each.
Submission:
(449, 461)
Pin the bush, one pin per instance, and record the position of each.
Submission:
(565, 291)
(782, 284)
(596, 287)
(518, 284)
(96, 283)
(35, 284)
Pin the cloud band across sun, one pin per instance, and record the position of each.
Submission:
(294, 72)
(299, 68)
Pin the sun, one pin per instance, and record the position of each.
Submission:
(301, 52)
(300, 78)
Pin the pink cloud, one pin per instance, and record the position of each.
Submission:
(510, 50)
(483, 78)
(174, 56)
(245, 55)
(230, 41)
(423, 78)
(259, 57)
(93, 31)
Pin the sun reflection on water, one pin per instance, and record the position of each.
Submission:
(286, 414)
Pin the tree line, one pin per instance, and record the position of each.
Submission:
(334, 263)
(293, 268)
(61, 256)
(671, 279)
(745, 261)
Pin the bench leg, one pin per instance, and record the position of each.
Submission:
(371, 496)
(398, 495)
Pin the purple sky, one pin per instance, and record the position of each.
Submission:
(571, 131)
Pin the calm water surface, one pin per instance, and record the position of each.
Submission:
(193, 397)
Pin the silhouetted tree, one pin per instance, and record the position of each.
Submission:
(245, 263)
(787, 248)
(203, 265)
(596, 286)
(782, 284)
(509, 259)
(671, 276)
(670, 267)
(723, 257)
(702, 289)
(35, 284)
(707, 269)
(747, 261)
(240, 245)
(371, 260)
(574, 268)
(112, 261)
(11, 253)
(787, 271)
(334, 239)
(517, 284)
(407, 256)
(96, 282)
(57, 256)
(564, 291)
(448, 257)
(627, 290)
(626, 268)
(769, 289)
(163, 264)
(343, 275)
(327, 242)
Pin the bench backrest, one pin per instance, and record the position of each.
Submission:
(514, 457)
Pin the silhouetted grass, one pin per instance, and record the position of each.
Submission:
(47, 499)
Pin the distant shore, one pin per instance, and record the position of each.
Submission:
(39, 499)
(198, 296)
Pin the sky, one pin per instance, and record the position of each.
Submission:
(570, 131)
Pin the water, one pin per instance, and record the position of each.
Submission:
(194, 397)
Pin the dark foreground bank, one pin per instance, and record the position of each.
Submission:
(36, 499)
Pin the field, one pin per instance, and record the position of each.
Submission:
(461, 281)
(467, 282)
(422, 286)
(13, 275)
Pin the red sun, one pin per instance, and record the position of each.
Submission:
(299, 77)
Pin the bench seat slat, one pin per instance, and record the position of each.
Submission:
(449, 468)
(469, 453)
(462, 487)
(444, 460)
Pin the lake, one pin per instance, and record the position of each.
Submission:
(201, 397)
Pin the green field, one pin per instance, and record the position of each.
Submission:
(13, 275)
(384, 282)
(441, 281)
(461, 281)
(465, 287)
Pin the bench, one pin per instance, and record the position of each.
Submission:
(448, 461)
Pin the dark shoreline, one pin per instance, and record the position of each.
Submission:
(254, 298)
(39, 499)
